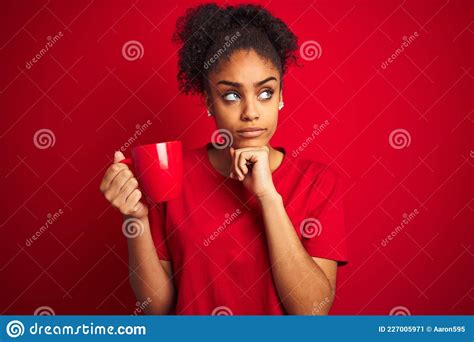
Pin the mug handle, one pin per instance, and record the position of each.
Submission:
(127, 161)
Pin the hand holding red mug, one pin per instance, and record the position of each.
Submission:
(120, 188)
(156, 168)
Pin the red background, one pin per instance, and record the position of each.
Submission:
(92, 98)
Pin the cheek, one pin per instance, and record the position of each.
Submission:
(272, 117)
(272, 130)
(272, 126)
(225, 110)
(225, 120)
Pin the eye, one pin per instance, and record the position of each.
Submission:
(266, 94)
(231, 96)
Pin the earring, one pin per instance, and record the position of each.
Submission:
(209, 113)
(280, 106)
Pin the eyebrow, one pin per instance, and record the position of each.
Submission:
(238, 85)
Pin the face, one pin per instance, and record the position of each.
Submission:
(245, 93)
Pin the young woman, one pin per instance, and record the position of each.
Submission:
(254, 232)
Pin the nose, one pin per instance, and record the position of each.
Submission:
(249, 112)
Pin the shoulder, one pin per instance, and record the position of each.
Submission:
(319, 179)
(319, 172)
(192, 155)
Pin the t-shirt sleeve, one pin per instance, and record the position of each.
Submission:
(323, 230)
(157, 220)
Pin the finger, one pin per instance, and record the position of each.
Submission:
(112, 171)
(235, 165)
(117, 183)
(119, 200)
(242, 164)
(233, 175)
(253, 159)
(133, 199)
(127, 189)
(121, 179)
(232, 153)
(118, 156)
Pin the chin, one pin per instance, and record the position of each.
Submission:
(249, 143)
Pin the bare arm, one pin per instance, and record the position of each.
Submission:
(150, 277)
(305, 285)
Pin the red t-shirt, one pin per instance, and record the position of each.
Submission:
(214, 234)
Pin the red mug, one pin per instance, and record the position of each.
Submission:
(159, 169)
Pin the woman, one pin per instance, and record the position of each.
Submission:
(253, 233)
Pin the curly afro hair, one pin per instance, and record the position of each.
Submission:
(209, 34)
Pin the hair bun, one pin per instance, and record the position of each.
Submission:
(202, 28)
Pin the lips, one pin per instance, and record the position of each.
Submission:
(251, 132)
(250, 129)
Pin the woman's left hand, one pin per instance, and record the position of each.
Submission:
(258, 178)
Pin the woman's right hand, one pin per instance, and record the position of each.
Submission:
(120, 188)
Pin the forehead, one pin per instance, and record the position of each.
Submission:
(246, 67)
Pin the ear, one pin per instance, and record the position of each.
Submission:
(281, 95)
